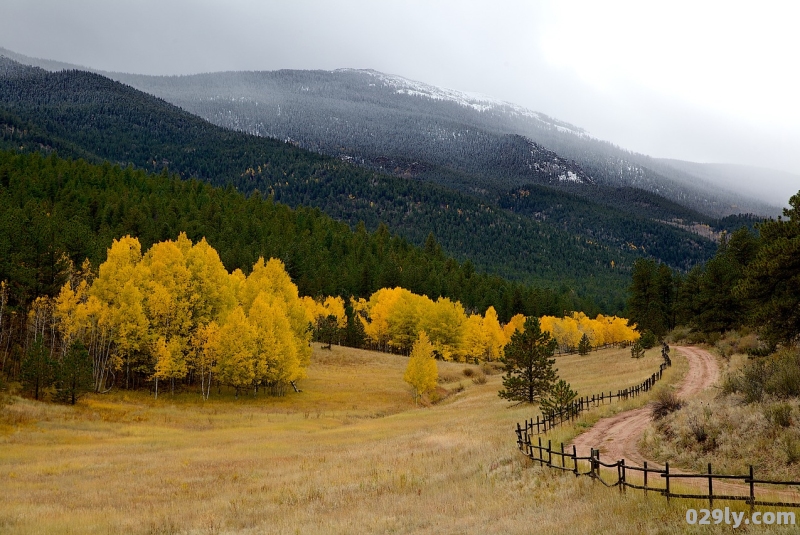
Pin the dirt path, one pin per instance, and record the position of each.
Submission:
(617, 437)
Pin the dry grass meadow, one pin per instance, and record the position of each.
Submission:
(350, 454)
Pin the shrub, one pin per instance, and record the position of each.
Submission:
(491, 368)
(666, 402)
(784, 378)
(791, 449)
(469, 372)
(479, 379)
(678, 334)
(779, 414)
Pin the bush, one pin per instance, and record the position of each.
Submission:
(784, 377)
(679, 334)
(791, 449)
(469, 372)
(479, 379)
(779, 415)
(491, 368)
(648, 339)
(778, 376)
(666, 402)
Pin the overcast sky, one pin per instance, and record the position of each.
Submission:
(707, 82)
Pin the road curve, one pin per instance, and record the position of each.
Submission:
(617, 437)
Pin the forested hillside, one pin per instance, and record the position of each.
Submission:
(55, 213)
(753, 282)
(409, 128)
(80, 114)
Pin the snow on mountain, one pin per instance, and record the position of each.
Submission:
(476, 101)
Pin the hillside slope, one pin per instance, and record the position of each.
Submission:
(82, 114)
(409, 128)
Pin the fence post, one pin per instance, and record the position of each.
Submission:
(645, 478)
(575, 459)
(752, 490)
(666, 475)
(537, 424)
(541, 457)
(519, 436)
(563, 461)
(710, 487)
(621, 468)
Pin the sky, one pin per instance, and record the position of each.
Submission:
(699, 81)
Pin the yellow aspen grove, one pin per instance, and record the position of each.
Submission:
(483, 337)
(116, 320)
(516, 323)
(271, 278)
(421, 372)
(276, 362)
(602, 330)
(374, 315)
(212, 288)
(475, 339)
(444, 322)
(494, 335)
(404, 320)
(178, 311)
(203, 356)
(334, 306)
(236, 349)
(170, 361)
(325, 315)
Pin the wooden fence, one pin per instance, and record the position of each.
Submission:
(647, 479)
(549, 420)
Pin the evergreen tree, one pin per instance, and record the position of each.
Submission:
(560, 398)
(529, 373)
(584, 346)
(38, 368)
(74, 374)
(637, 350)
(772, 280)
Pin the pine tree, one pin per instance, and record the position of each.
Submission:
(560, 398)
(74, 374)
(529, 364)
(584, 346)
(637, 350)
(38, 368)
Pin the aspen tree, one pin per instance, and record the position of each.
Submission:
(421, 372)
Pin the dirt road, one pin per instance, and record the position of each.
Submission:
(617, 437)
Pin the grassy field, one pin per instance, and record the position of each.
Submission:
(350, 454)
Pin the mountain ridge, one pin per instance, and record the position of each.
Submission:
(600, 158)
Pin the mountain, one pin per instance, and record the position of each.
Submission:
(412, 129)
(758, 182)
(470, 142)
(81, 114)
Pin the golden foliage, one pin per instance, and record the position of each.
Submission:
(176, 309)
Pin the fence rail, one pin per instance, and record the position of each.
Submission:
(549, 420)
(616, 474)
